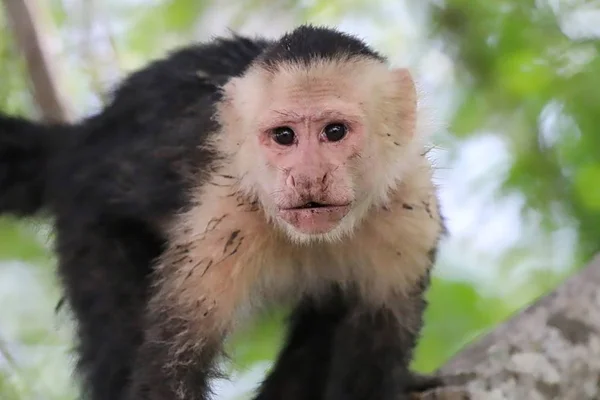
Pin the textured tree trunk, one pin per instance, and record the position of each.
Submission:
(550, 350)
(27, 23)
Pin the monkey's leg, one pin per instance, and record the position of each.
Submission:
(373, 348)
(301, 367)
(103, 267)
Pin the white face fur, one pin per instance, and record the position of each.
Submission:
(338, 134)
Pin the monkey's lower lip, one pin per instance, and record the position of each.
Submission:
(315, 218)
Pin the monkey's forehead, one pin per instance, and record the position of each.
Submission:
(344, 76)
(351, 82)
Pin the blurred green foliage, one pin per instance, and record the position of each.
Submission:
(525, 78)
(518, 76)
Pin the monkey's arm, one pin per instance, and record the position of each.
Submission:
(300, 371)
(202, 281)
(337, 348)
(183, 337)
(176, 360)
(373, 348)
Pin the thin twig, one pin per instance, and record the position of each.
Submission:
(26, 21)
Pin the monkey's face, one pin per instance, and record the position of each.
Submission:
(308, 141)
(310, 144)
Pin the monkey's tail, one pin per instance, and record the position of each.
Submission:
(25, 151)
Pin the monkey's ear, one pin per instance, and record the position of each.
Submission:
(404, 80)
(405, 94)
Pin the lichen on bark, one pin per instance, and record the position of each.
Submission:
(549, 350)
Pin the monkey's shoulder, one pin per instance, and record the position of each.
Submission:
(135, 155)
(182, 85)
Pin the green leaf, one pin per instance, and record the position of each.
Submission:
(587, 182)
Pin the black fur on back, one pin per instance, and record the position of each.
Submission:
(307, 43)
(109, 181)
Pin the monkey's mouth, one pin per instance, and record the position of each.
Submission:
(315, 205)
(314, 217)
(312, 204)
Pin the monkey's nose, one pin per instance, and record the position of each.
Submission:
(306, 182)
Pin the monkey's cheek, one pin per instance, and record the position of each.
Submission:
(315, 220)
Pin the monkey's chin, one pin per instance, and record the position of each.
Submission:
(314, 221)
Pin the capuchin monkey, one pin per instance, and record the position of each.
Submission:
(228, 177)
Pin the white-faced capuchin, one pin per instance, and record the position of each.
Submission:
(227, 177)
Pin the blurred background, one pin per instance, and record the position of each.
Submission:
(516, 89)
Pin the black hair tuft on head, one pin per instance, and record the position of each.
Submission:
(308, 43)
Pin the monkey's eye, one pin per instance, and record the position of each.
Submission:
(283, 135)
(335, 132)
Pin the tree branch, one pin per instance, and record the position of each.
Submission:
(550, 350)
(25, 20)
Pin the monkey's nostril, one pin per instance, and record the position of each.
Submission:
(290, 181)
(324, 177)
